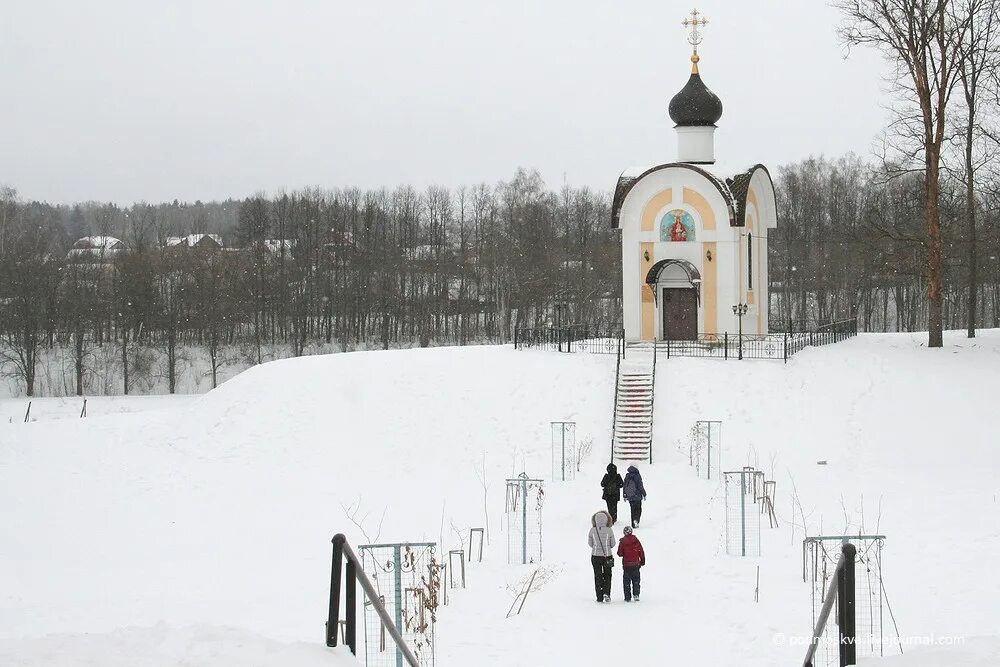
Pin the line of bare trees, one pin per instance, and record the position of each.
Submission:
(348, 269)
(302, 271)
(851, 242)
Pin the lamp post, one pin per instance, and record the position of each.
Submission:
(739, 310)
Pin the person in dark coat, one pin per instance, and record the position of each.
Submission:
(602, 556)
(634, 493)
(612, 485)
(633, 557)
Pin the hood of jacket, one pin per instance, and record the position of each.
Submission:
(612, 468)
(603, 517)
(633, 470)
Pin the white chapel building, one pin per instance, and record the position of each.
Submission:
(694, 243)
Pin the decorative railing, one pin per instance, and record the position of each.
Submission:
(726, 346)
(775, 346)
(572, 338)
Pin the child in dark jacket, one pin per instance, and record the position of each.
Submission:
(633, 557)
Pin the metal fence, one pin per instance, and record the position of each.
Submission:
(572, 338)
(523, 518)
(706, 449)
(563, 451)
(744, 488)
(773, 346)
(820, 555)
(407, 579)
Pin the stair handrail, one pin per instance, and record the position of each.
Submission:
(842, 587)
(619, 355)
(356, 573)
(652, 405)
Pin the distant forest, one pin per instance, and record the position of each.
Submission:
(346, 269)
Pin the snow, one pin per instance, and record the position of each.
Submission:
(13, 410)
(199, 534)
(98, 243)
(166, 646)
(192, 240)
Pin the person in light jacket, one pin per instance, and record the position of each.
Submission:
(602, 553)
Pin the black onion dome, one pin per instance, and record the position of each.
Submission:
(695, 104)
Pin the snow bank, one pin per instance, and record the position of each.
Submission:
(165, 646)
(221, 512)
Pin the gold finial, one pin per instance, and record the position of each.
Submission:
(694, 39)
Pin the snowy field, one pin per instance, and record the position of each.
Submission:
(198, 532)
(14, 410)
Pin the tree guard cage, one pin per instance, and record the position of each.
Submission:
(523, 517)
(819, 563)
(706, 450)
(407, 578)
(744, 490)
(563, 451)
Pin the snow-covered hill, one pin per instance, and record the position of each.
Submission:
(200, 535)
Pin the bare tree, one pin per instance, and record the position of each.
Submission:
(923, 39)
(979, 64)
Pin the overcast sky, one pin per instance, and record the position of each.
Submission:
(127, 100)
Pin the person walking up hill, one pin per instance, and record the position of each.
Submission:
(634, 493)
(633, 558)
(612, 485)
(602, 544)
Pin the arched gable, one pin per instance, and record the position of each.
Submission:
(754, 186)
(629, 180)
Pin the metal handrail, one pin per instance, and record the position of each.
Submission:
(652, 405)
(841, 586)
(355, 573)
(614, 414)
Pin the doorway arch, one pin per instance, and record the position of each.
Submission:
(676, 285)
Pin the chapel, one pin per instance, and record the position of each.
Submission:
(694, 241)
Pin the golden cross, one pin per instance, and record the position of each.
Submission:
(694, 39)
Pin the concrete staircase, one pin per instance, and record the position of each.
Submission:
(634, 404)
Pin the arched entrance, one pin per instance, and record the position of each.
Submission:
(676, 286)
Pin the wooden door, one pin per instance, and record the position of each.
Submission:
(679, 307)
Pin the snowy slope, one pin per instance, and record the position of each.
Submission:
(221, 512)
(204, 530)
